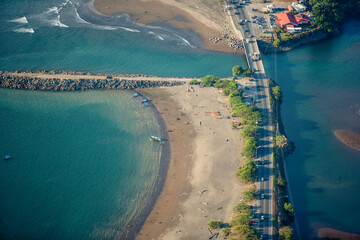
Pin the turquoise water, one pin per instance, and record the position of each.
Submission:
(321, 88)
(83, 163)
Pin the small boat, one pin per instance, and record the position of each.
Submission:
(156, 139)
(135, 95)
(7, 157)
(143, 105)
(143, 100)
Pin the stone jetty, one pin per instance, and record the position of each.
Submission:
(75, 81)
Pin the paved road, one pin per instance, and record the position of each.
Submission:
(264, 182)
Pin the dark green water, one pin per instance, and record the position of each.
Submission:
(321, 88)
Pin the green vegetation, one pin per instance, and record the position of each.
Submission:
(281, 182)
(277, 93)
(246, 232)
(241, 206)
(249, 149)
(249, 195)
(213, 224)
(289, 208)
(281, 141)
(226, 231)
(239, 71)
(286, 233)
(194, 82)
(209, 80)
(326, 14)
(249, 131)
(247, 172)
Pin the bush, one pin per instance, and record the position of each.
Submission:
(249, 195)
(213, 224)
(249, 149)
(276, 91)
(209, 80)
(237, 70)
(249, 131)
(226, 231)
(289, 208)
(247, 172)
(281, 182)
(194, 82)
(276, 42)
(286, 233)
(241, 206)
(247, 232)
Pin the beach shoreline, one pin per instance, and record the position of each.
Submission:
(200, 185)
(349, 138)
(206, 20)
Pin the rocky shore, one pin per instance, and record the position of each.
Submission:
(70, 83)
(266, 45)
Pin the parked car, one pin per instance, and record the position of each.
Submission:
(262, 196)
(245, 30)
(262, 218)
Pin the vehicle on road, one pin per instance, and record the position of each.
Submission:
(262, 218)
(262, 196)
(245, 30)
(262, 179)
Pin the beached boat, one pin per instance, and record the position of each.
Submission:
(135, 95)
(143, 105)
(156, 139)
(7, 157)
(143, 100)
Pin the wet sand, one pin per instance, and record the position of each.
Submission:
(206, 18)
(330, 233)
(349, 138)
(201, 184)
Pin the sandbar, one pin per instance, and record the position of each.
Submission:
(206, 18)
(204, 156)
(330, 233)
(349, 138)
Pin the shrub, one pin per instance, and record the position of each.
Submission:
(194, 82)
(249, 149)
(209, 80)
(247, 172)
(237, 70)
(226, 231)
(249, 131)
(276, 42)
(249, 195)
(281, 182)
(286, 233)
(241, 206)
(289, 208)
(213, 224)
(276, 91)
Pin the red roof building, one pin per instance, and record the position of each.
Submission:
(302, 18)
(283, 19)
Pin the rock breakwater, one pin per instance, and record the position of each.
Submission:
(75, 81)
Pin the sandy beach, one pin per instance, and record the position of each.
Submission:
(201, 184)
(206, 18)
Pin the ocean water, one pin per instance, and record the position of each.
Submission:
(71, 35)
(83, 163)
(83, 166)
(321, 93)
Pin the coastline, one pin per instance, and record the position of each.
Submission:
(189, 199)
(206, 19)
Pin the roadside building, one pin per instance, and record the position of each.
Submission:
(290, 8)
(302, 19)
(298, 7)
(283, 19)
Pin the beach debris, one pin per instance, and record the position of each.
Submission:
(205, 203)
(202, 210)
(178, 231)
(210, 231)
(202, 191)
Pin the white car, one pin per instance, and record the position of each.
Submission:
(262, 218)
(262, 196)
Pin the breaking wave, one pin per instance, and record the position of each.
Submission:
(24, 30)
(20, 20)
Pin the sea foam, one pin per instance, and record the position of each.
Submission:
(20, 20)
(24, 30)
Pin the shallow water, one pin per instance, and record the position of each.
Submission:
(321, 88)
